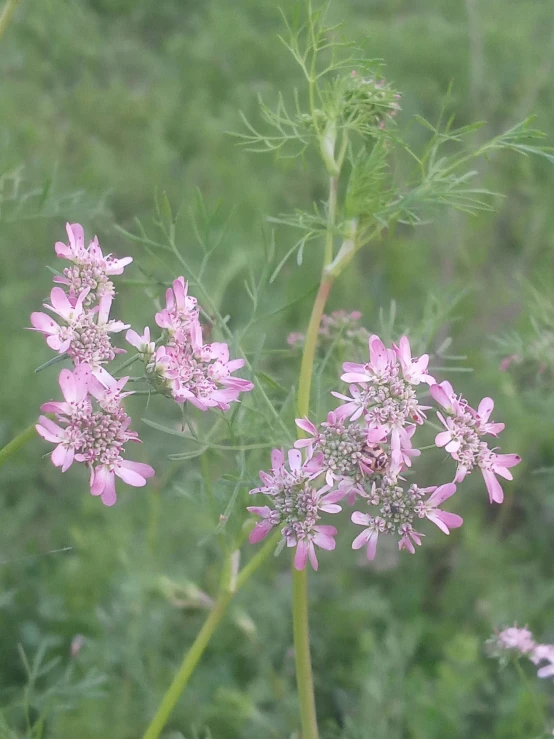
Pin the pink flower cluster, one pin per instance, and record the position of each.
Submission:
(520, 641)
(83, 333)
(91, 425)
(184, 368)
(363, 449)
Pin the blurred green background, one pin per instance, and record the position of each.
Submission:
(102, 103)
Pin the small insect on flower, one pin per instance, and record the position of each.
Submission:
(377, 457)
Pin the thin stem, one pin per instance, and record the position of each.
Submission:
(193, 655)
(127, 363)
(539, 710)
(307, 365)
(15, 444)
(331, 216)
(304, 677)
(7, 13)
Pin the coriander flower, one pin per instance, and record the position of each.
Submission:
(92, 427)
(296, 506)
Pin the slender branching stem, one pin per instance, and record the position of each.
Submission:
(15, 444)
(194, 654)
(301, 631)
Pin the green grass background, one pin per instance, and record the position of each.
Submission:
(101, 103)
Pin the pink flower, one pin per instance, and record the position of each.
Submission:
(181, 310)
(58, 337)
(297, 504)
(429, 509)
(402, 450)
(85, 334)
(69, 439)
(295, 339)
(521, 640)
(76, 249)
(414, 371)
(396, 509)
(482, 416)
(386, 395)
(462, 439)
(91, 270)
(493, 464)
(409, 538)
(544, 653)
(379, 364)
(93, 434)
(321, 536)
(145, 346)
(347, 450)
(368, 537)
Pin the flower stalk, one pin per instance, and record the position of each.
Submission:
(15, 444)
(301, 631)
(194, 653)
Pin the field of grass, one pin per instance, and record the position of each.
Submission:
(109, 106)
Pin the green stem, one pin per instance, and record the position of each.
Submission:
(127, 363)
(331, 216)
(304, 677)
(7, 13)
(15, 444)
(539, 710)
(193, 655)
(307, 365)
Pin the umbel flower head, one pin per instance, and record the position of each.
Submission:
(183, 367)
(520, 642)
(92, 427)
(83, 333)
(90, 269)
(364, 448)
(462, 439)
(297, 502)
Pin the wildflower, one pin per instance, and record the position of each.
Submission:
(91, 269)
(520, 640)
(297, 504)
(146, 347)
(93, 433)
(544, 653)
(181, 312)
(414, 371)
(84, 335)
(381, 390)
(462, 439)
(200, 374)
(398, 509)
(295, 339)
(346, 452)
